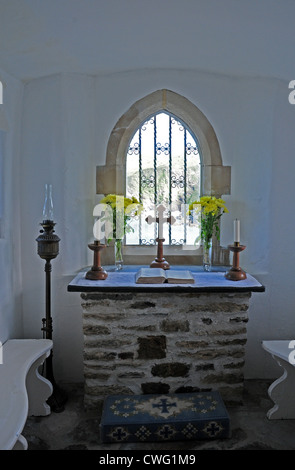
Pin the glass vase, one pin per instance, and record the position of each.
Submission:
(118, 254)
(207, 255)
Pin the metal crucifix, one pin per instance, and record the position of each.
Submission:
(159, 261)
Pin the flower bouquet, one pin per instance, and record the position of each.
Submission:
(123, 209)
(210, 209)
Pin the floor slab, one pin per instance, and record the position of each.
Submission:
(77, 429)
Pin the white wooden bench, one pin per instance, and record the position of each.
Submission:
(23, 391)
(282, 390)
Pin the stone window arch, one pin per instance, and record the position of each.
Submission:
(215, 177)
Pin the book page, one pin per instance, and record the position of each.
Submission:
(150, 276)
(179, 277)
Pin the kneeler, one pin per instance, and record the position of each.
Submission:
(171, 417)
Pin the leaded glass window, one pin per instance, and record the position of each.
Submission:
(163, 167)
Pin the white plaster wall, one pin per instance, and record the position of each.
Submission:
(10, 273)
(67, 120)
(276, 316)
(57, 146)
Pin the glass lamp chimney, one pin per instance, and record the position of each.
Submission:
(48, 204)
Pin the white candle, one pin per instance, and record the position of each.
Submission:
(236, 231)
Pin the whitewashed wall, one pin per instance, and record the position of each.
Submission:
(66, 122)
(10, 256)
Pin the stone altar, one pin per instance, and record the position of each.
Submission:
(164, 338)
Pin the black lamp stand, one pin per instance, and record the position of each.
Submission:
(48, 249)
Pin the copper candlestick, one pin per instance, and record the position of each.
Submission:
(96, 273)
(236, 273)
(159, 261)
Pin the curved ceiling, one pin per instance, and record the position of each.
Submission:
(236, 37)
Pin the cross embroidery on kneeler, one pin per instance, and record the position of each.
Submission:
(119, 434)
(212, 429)
(147, 418)
(166, 432)
(164, 406)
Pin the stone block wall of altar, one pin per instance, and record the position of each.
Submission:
(138, 343)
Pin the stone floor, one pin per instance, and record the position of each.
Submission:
(77, 429)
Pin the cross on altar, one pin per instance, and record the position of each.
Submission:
(159, 261)
(160, 220)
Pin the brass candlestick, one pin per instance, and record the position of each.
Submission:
(236, 273)
(159, 261)
(96, 273)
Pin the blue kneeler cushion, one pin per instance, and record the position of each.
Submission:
(168, 417)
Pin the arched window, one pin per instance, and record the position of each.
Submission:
(115, 176)
(163, 167)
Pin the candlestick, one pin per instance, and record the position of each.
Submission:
(236, 231)
(96, 273)
(236, 273)
(160, 261)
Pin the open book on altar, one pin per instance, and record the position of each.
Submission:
(159, 276)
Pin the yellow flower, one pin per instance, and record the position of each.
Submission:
(196, 205)
(206, 199)
(209, 204)
(212, 209)
(109, 199)
(127, 202)
(130, 206)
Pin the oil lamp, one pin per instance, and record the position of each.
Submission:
(48, 249)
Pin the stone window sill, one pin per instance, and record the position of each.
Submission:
(177, 255)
